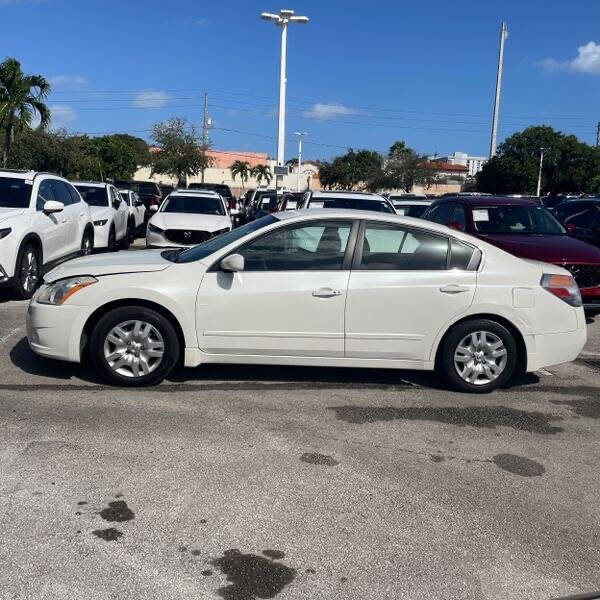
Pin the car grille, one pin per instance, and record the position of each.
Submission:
(187, 236)
(585, 275)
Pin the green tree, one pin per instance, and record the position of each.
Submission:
(352, 170)
(177, 153)
(261, 172)
(121, 155)
(404, 168)
(241, 168)
(569, 165)
(21, 98)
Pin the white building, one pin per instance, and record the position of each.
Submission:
(474, 164)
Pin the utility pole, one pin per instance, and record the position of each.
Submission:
(204, 130)
(503, 36)
(300, 135)
(598, 134)
(283, 19)
(539, 185)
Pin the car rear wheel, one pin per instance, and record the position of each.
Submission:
(134, 346)
(87, 243)
(112, 240)
(27, 274)
(478, 356)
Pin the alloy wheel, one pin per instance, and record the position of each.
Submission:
(29, 271)
(480, 357)
(134, 348)
(86, 245)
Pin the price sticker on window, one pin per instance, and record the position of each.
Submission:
(480, 214)
(401, 211)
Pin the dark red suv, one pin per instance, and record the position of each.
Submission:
(526, 229)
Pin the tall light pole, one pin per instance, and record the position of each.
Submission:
(503, 36)
(300, 135)
(282, 20)
(539, 185)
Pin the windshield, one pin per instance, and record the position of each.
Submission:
(353, 203)
(207, 248)
(14, 193)
(516, 219)
(411, 210)
(94, 196)
(215, 187)
(197, 205)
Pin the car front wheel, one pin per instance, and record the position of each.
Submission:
(478, 356)
(27, 275)
(134, 346)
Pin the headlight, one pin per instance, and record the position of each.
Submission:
(154, 228)
(101, 222)
(60, 291)
(4, 232)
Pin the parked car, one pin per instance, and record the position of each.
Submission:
(551, 202)
(137, 211)
(148, 191)
(348, 200)
(409, 207)
(110, 214)
(581, 218)
(165, 190)
(459, 303)
(188, 217)
(290, 201)
(262, 202)
(526, 229)
(42, 220)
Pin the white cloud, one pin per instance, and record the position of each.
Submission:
(324, 112)
(200, 22)
(67, 80)
(151, 99)
(587, 61)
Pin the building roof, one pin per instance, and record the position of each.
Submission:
(439, 165)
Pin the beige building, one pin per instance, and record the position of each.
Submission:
(219, 172)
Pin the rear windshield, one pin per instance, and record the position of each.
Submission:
(352, 203)
(411, 210)
(513, 219)
(14, 193)
(147, 188)
(197, 205)
(94, 196)
(215, 187)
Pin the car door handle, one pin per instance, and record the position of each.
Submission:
(326, 292)
(453, 289)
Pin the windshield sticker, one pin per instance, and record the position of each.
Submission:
(401, 211)
(316, 204)
(481, 214)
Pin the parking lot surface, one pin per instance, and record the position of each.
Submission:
(266, 482)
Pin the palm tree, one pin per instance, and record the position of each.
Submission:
(21, 98)
(262, 172)
(241, 168)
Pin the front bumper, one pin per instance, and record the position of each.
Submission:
(55, 331)
(157, 240)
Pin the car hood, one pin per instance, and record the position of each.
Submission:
(547, 248)
(10, 213)
(190, 221)
(113, 263)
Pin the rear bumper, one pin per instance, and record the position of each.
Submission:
(554, 348)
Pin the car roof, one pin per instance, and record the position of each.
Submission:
(346, 194)
(91, 183)
(199, 193)
(412, 202)
(489, 201)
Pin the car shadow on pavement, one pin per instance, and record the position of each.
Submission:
(25, 359)
(6, 296)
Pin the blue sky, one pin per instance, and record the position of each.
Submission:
(423, 72)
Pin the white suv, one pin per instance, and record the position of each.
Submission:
(347, 199)
(109, 212)
(42, 220)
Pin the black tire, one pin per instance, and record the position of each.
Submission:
(27, 271)
(124, 243)
(494, 331)
(166, 333)
(87, 243)
(112, 241)
(131, 231)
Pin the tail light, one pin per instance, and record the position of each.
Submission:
(570, 227)
(154, 200)
(563, 287)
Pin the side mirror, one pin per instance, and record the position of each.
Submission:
(153, 208)
(52, 206)
(232, 263)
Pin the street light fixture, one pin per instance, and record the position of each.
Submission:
(282, 20)
(300, 135)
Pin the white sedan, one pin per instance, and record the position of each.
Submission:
(186, 218)
(368, 290)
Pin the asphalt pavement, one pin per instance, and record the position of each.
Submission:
(295, 483)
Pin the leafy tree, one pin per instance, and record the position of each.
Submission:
(21, 98)
(177, 153)
(121, 155)
(292, 162)
(241, 168)
(262, 172)
(569, 165)
(404, 168)
(352, 170)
